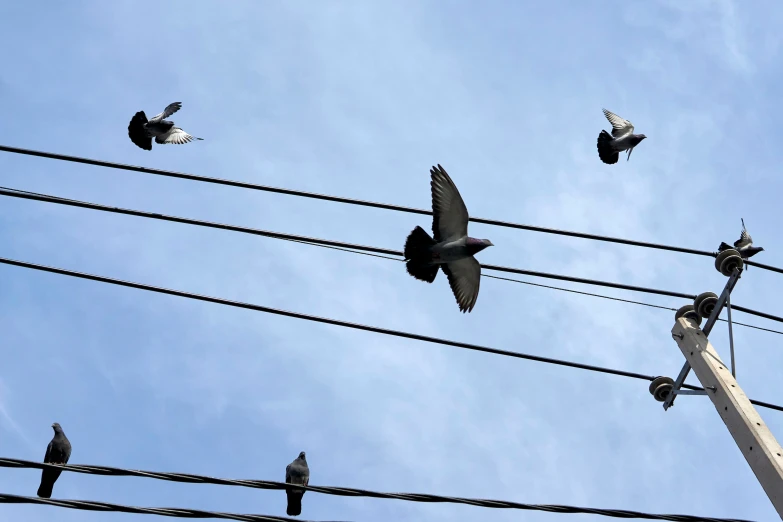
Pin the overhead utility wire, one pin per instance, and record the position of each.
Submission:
(16, 193)
(346, 324)
(351, 201)
(91, 505)
(508, 279)
(351, 492)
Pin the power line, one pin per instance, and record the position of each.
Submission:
(346, 324)
(17, 193)
(353, 492)
(508, 279)
(91, 505)
(351, 201)
(591, 294)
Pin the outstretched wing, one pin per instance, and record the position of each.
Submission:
(464, 278)
(745, 240)
(449, 214)
(170, 109)
(176, 136)
(620, 126)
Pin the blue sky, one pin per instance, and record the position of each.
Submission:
(360, 99)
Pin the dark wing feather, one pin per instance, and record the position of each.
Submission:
(450, 216)
(464, 278)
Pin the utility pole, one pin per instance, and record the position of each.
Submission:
(751, 434)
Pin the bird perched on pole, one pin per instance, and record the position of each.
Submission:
(141, 131)
(296, 473)
(451, 248)
(744, 245)
(57, 452)
(622, 138)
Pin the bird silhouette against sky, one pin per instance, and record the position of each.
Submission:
(622, 138)
(451, 249)
(57, 452)
(298, 472)
(141, 131)
(744, 245)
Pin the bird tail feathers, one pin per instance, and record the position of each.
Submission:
(417, 252)
(45, 490)
(294, 507)
(605, 151)
(137, 133)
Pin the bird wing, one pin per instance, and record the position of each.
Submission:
(176, 136)
(170, 109)
(745, 240)
(464, 278)
(449, 214)
(620, 126)
(48, 455)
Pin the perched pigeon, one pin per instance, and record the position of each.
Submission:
(142, 131)
(744, 245)
(296, 473)
(622, 138)
(451, 249)
(57, 452)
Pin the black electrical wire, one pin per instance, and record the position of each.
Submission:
(91, 505)
(508, 279)
(354, 492)
(346, 324)
(351, 201)
(16, 193)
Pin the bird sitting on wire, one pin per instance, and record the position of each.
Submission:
(744, 245)
(57, 452)
(296, 473)
(451, 249)
(622, 138)
(141, 131)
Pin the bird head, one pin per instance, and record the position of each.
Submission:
(477, 245)
(302, 455)
(56, 427)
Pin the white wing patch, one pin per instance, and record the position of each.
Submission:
(620, 126)
(175, 136)
(745, 240)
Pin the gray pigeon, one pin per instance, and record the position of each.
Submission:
(296, 473)
(451, 249)
(57, 452)
(142, 131)
(622, 138)
(744, 245)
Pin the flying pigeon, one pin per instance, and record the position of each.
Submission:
(622, 138)
(744, 245)
(296, 473)
(57, 452)
(142, 131)
(451, 249)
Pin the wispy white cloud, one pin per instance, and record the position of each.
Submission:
(360, 100)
